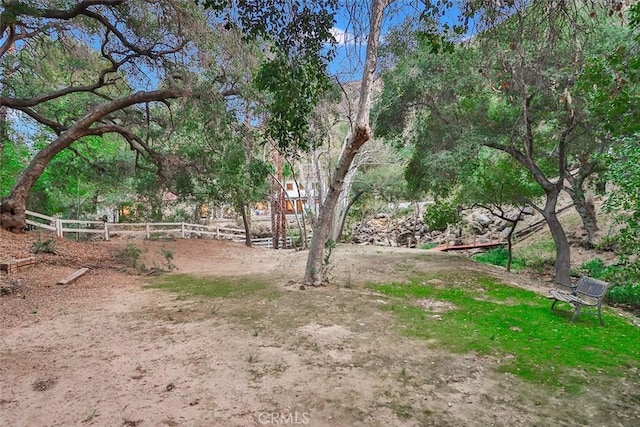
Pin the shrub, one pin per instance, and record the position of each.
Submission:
(130, 255)
(47, 246)
(625, 294)
(595, 268)
(444, 213)
(167, 254)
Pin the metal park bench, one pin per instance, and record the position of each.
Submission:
(588, 292)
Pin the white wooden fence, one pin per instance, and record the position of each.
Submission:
(146, 229)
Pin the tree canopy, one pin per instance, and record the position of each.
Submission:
(513, 88)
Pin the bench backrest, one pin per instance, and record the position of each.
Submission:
(591, 288)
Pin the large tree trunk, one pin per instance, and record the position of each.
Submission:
(563, 250)
(360, 134)
(12, 209)
(318, 186)
(340, 213)
(246, 221)
(584, 206)
(346, 211)
(4, 136)
(321, 231)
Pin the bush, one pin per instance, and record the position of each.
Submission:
(130, 255)
(595, 268)
(47, 246)
(625, 294)
(444, 213)
(167, 255)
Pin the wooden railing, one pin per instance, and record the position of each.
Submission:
(146, 229)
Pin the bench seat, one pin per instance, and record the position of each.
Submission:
(588, 292)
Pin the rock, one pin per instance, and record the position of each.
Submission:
(477, 227)
(482, 219)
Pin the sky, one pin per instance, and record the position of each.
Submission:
(351, 32)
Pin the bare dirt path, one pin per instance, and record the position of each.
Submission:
(110, 351)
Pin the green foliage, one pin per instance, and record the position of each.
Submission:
(74, 180)
(294, 28)
(498, 180)
(167, 256)
(610, 79)
(129, 255)
(428, 246)
(628, 293)
(43, 246)
(624, 203)
(595, 268)
(624, 174)
(516, 327)
(295, 88)
(439, 216)
(329, 246)
(294, 76)
(13, 158)
(500, 256)
(512, 88)
(385, 181)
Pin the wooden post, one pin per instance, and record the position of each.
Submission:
(182, 230)
(59, 232)
(106, 231)
(146, 227)
(217, 232)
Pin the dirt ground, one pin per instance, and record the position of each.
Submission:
(108, 350)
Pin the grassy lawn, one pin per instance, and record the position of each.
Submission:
(213, 287)
(517, 327)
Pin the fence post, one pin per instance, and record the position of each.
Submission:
(106, 231)
(59, 232)
(182, 230)
(146, 227)
(217, 232)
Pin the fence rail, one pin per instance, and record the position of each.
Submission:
(146, 229)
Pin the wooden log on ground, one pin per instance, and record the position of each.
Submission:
(73, 276)
(16, 265)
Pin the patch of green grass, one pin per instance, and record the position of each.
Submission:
(500, 256)
(212, 287)
(519, 328)
(428, 246)
(539, 255)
